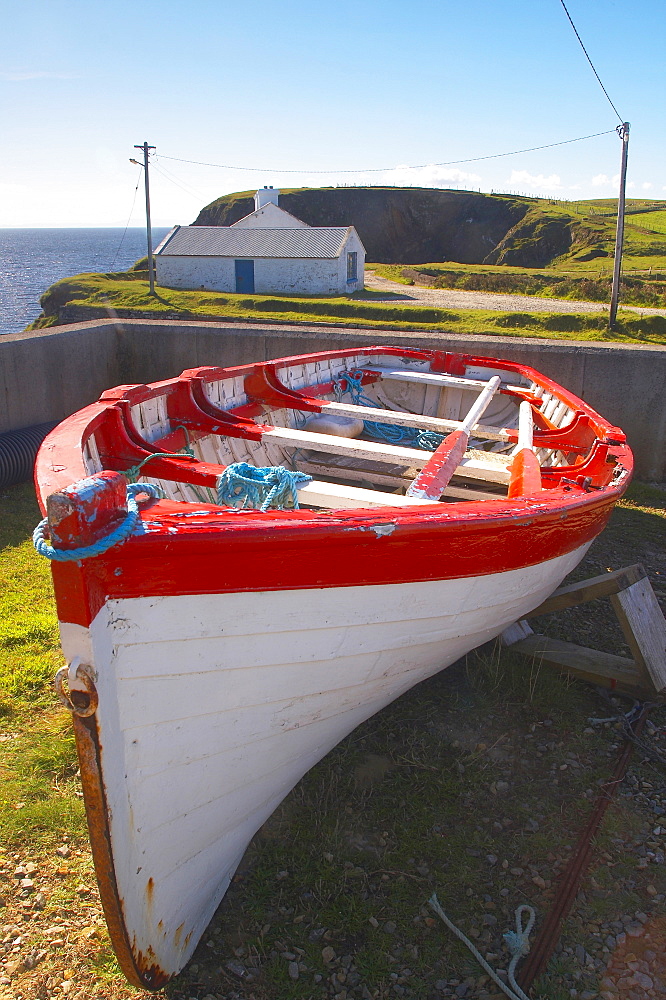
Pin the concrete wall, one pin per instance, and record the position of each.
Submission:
(45, 375)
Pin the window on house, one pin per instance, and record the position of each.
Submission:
(352, 274)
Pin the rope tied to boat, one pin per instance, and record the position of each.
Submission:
(517, 942)
(134, 471)
(391, 433)
(119, 535)
(265, 488)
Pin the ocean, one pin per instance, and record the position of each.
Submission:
(32, 259)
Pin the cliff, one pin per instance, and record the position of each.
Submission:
(417, 225)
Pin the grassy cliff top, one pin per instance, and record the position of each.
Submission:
(96, 296)
(413, 225)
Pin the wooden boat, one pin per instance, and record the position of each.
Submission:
(220, 651)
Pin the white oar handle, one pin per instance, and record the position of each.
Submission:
(481, 404)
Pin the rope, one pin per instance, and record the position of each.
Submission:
(517, 942)
(429, 440)
(117, 537)
(134, 471)
(391, 433)
(270, 487)
(627, 722)
(205, 494)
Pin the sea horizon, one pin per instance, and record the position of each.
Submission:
(34, 258)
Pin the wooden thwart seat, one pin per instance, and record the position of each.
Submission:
(433, 378)
(438, 424)
(474, 464)
(393, 481)
(338, 496)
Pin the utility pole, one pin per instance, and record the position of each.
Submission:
(623, 132)
(149, 235)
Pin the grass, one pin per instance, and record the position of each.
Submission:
(123, 295)
(456, 788)
(654, 221)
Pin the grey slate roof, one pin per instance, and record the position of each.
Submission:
(227, 241)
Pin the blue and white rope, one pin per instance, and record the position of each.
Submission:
(517, 942)
(116, 537)
(391, 433)
(265, 488)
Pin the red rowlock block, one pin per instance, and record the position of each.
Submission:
(525, 468)
(83, 513)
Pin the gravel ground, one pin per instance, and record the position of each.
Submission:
(519, 778)
(617, 957)
(454, 298)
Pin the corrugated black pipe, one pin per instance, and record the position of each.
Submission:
(18, 450)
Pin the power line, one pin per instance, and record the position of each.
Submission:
(129, 219)
(590, 62)
(381, 170)
(172, 180)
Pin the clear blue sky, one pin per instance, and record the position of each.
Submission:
(319, 87)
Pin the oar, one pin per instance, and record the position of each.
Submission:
(525, 469)
(435, 476)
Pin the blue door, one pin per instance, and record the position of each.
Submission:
(244, 275)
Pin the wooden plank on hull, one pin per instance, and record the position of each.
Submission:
(352, 447)
(427, 378)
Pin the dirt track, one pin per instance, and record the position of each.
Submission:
(455, 298)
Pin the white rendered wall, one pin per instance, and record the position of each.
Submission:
(272, 275)
(265, 195)
(352, 245)
(270, 217)
(214, 274)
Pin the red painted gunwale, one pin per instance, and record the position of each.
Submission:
(202, 549)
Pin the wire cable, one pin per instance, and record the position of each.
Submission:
(590, 62)
(129, 219)
(382, 170)
(172, 180)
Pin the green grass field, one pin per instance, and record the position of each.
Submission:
(127, 294)
(653, 221)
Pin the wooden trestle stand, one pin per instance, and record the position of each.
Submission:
(640, 618)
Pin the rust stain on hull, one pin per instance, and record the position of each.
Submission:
(141, 970)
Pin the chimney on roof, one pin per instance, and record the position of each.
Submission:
(266, 196)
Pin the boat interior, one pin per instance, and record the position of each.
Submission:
(369, 427)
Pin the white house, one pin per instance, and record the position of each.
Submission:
(267, 252)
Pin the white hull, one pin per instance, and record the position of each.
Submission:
(212, 707)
